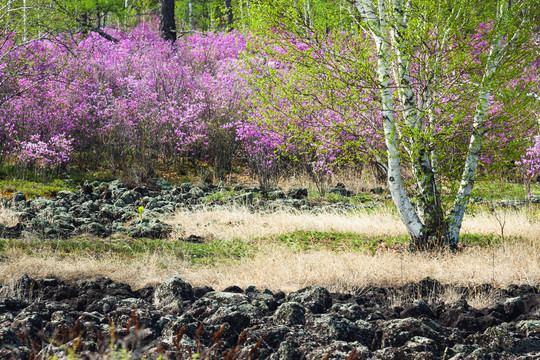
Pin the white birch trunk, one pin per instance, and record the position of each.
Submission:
(125, 12)
(190, 14)
(24, 20)
(475, 143)
(395, 182)
(428, 206)
(307, 13)
(380, 32)
(242, 15)
(423, 160)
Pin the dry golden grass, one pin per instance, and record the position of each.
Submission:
(147, 269)
(351, 271)
(520, 223)
(282, 269)
(279, 268)
(477, 299)
(240, 223)
(353, 179)
(8, 217)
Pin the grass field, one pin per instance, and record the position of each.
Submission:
(286, 251)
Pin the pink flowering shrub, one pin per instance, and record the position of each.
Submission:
(328, 117)
(309, 120)
(215, 59)
(56, 151)
(141, 103)
(133, 104)
(531, 160)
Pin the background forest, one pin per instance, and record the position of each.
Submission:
(133, 90)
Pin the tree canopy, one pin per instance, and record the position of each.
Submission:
(441, 77)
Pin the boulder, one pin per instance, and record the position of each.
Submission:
(11, 232)
(396, 333)
(417, 309)
(172, 293)
(290, 313)
(18, 198)
(147, 227)
(315, 298)
(335, 327)
(340, 189)
(297, 193)
(196, 192)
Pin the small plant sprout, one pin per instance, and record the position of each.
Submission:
(140, 210)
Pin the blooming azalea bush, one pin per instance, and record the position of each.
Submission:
(143, 102)
(531, 160)
(133, 104)
(56, 151)
(328, 105)
(315, 121)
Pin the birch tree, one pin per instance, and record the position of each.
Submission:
(421, 61)
(389, 24)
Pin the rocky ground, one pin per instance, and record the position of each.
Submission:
(91, 317)
(48, 317)
(105, 208)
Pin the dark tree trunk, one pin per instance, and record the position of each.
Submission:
(167, 24)
(229, 10)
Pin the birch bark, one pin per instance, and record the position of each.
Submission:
(426, 224)
(428, 205)
(378, 27)
(475, 143)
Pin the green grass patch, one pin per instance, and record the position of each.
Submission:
(339, 241)
(197, 253)
(302, 240)
(33, 189)
(499, 190)
(485, 241)
(215, 251)
(220, 195)
(12, 176)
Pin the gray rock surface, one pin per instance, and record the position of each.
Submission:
(43, 318)
(102, 209)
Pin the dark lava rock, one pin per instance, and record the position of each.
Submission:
(192, 239)
(94, 228)
(147, 227)
(200, 291)
(314, 298)
(103, 208)
(171, 293)
(234, 289)
(174, 320)
(290, 313)
(18, 197)
(418, 308)
(340, 189)
(396, 333)
(297, 193)
(11, 232)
